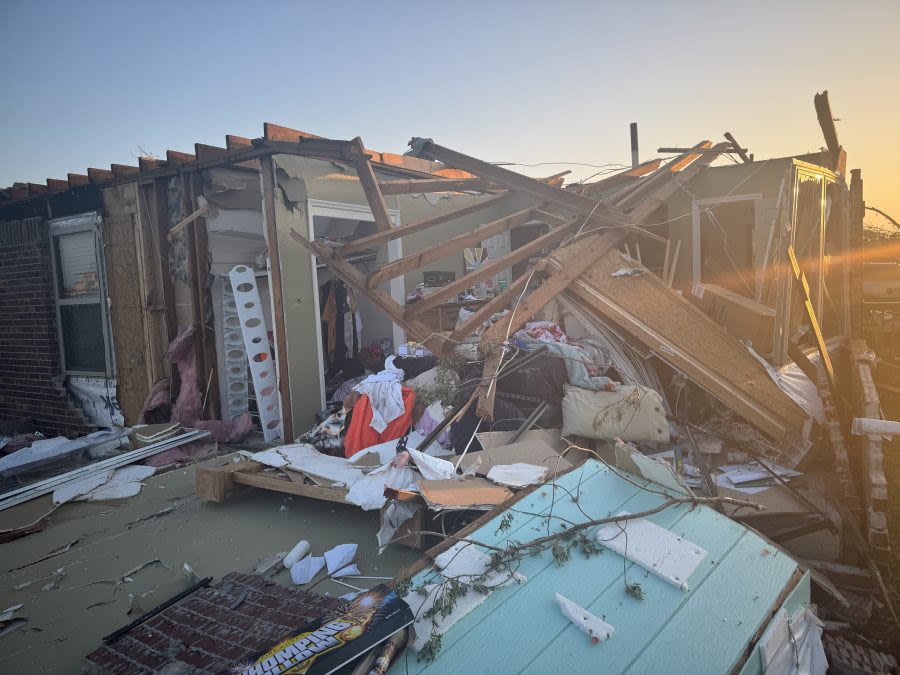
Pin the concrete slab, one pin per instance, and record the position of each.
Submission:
(73, 599)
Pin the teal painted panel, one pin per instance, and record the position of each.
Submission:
(636, 622)
(521, 629)
(709, 633)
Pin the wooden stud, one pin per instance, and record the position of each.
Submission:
(674, 264)
(736, 147)
(150, 163)
(486, 311)
(276, 132)
(493, 267)
(237, 142)
(370, 186)
(803, 287)
(203, 151)
(375, 240)
(457, 243)
(175, 229)
(161, 218)
(176, 158)
(424, 185)
(57, 185)
(267, 174)
(124, 170)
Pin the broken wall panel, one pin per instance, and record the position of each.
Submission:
(685, 338)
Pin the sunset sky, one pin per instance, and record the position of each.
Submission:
(89, 84)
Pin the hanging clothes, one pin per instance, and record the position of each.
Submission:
(341, 326)
(360, 434)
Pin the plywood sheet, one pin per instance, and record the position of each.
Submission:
(684, 337)
(471, 493)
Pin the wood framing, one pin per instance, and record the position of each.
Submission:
(214, 484)
(803, 287)
(267, 176)
(423, 185)
(472, 238)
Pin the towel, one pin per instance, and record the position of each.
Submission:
(385, 395)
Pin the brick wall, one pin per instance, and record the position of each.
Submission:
(31, 383)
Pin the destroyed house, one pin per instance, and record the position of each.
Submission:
(720, 307)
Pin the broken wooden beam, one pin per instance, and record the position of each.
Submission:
(472, 238)
(425, 185)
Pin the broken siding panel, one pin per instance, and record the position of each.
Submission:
(737, 565)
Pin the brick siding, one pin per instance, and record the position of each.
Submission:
(31, 382)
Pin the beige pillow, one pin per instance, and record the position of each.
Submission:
(633, 413)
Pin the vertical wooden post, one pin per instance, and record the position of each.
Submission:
(207, 330)
(856, 254)
(267, 175)
(161, 205)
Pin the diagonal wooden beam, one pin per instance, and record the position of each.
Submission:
(493, 267)
(487, 310)
(423, 185)
(510, 179)
(375, 240)
(596, 246)
(803, 287)
(350, 274)
(473, 237)
(370, 187)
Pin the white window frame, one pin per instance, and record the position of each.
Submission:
(85, 222)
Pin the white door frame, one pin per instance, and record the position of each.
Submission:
(321, 207)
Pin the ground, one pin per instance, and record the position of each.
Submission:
(73, 599)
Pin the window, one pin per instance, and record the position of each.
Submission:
(80, 297)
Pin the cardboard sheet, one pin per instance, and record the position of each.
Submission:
(533, 450)
(470, 493)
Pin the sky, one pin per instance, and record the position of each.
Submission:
(537, 83)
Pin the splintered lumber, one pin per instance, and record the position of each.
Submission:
(680, 334)
(373, 193)
(803, 288)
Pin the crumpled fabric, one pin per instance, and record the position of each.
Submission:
(581, 360)
(545, 331)
(368, 491)
(431, 417)
(385, 395)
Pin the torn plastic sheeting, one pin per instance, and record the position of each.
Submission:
(305, 458)
(517, 475)
(386, 451)
(368, 491)
(340, 560)
(432, 468)
(595, 627)
(394, 516)
(303, 572)
(794, 382)
(654, 548)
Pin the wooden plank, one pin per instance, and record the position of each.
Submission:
(483, 313)
(493, 267)
(370, 186)
(424, 185)
(233, 142)
(472, 238)
(78, 179)
(207, 332)
(176, 158)
(348, 272)
(558, 281)
(736, 147)
(287, 486)
(267, 173)
(803, 287)
(203, 151)
(149, 164)
(375, 240)
(161, 224)
(276, 132)
(829, 131)
(99, 175)
(57, 185)
(124, 170)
